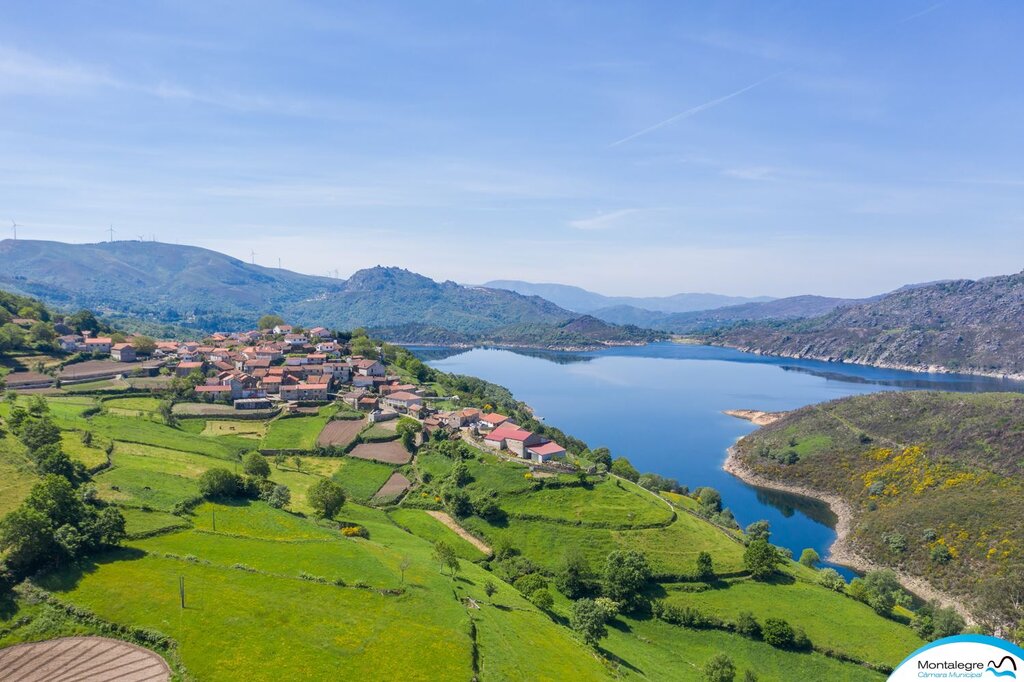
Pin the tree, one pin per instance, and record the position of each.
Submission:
(626, 572)
(325, 497)
(882, 591)
(759, 530)
(749, 676)
(719, 669)
(269, 322)
(830, 578)
(809, 558)
(297, 461)
(490, 588)
(761, 559)
(41, 333)
(933, 621)
(143, 345)
(37, 433)
(705, 571)
(622, 467)
(602, 456)
(530, 583)
(588, 619)
(279, 460)
(218, 482)
(710, 500)
(445, 555)
(279, 496)
(166, 410)
(778, 633)
(254, 464)
(572, 575)
(542, 599)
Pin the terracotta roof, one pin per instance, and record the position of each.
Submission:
(213, 389)
(549, 448)
(510, 432)
(403, 395)
(120, 346)
(493, 418)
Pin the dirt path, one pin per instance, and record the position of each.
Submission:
(460, 531)
(85, 659)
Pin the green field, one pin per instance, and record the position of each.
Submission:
(424, 525)
(275, 594)
(293, 433)
(833, 620)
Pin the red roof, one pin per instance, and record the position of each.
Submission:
(403, 395)
(190, 365)
(121, 346)
(509, 432)
(494, 418)
(550, 448)
(213, 389)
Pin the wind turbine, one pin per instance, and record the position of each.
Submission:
(14, 228)
(111, 230)
(252, 255)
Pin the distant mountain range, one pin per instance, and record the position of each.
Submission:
(791, 308)
(207, 290)
(961, 325)
(583, 301)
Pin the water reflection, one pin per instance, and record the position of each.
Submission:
(789, 504)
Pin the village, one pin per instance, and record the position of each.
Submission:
(297, 370)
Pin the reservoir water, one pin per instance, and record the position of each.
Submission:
(661, 406)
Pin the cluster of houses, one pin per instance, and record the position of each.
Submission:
(263, 368)
(86, 342)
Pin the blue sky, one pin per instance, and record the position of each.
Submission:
(632, 148)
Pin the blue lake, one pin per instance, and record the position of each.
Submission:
(661, 406)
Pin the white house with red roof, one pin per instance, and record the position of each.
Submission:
(368, 368)
(402, 400)
(492, 420)
(512, 438)
(545, 451)
(123, 352)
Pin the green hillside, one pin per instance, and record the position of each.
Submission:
(302, 599)
(935, 480)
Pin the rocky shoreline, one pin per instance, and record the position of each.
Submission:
(756, 417)
(841, 551)
(918, 369)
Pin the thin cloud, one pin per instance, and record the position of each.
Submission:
(697, 109)
(603, 221)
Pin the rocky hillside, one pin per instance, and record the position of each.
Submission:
(963, 325)
(791, 308)
(934, 481)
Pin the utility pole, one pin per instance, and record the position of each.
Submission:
(214, 520)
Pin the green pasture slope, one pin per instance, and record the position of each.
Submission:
(274, 594)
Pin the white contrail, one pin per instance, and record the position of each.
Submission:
(715, 102)
(697, 109)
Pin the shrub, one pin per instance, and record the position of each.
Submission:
(625, 574)
(940, 554)
(254, 464)
(530, 583)
(778, 633)
(747, 625)
(719, 669)
(830, 578)
(809, 558)
(355, 532)
(542, 599)
(219, 483)
(705, 571)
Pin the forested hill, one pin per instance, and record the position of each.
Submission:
(207, 290)
(963, 325)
